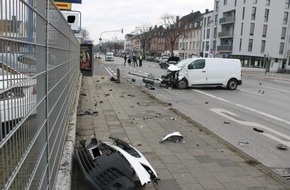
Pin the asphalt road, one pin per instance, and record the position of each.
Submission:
(254, 118)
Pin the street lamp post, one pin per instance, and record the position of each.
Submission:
(100, 39)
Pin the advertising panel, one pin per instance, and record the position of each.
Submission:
(86, 59)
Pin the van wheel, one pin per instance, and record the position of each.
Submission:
(232, 84)
(182, 84)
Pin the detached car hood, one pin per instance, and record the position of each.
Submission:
(173, 68)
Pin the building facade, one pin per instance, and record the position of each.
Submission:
(256, 32)
(189, 38)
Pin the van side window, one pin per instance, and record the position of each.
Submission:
(197, 64)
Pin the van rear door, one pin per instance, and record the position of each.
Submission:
(197, 72)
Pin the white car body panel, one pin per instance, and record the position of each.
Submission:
(143, 175)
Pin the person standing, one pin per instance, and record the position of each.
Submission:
(125, 59)
(135, 60)
(140, 61)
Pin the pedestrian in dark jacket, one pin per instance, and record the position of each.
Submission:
(135, 60)
(125, 59)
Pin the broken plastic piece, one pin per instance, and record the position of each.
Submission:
(282, 147)
(258, 130)
(174, 137)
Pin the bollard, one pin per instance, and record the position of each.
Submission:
(118, 75)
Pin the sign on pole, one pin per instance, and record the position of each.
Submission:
(63, 6)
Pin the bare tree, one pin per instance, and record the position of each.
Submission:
(172, 30)
(143, 34)
(85, 34)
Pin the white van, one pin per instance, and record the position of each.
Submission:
(109, 56)
(196, 72)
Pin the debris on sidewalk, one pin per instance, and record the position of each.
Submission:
(226, 122)
(243, 143)
(122, 165)
(113, 79)
(173, 137)
(88, 112)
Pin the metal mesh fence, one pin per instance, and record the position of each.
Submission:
(39, 71)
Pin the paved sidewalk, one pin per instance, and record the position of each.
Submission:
(201, 161)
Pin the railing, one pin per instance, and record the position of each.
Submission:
(39, 72)
(225, 48)
(226, 20)
(226, 34)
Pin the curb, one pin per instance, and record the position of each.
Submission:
(63, 181)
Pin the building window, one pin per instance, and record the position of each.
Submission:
(225, 2)
(267, 2)
(285, 18)
(217, 6)
(254, 1)
(215, 33)
(208, 20)
(281, 49)
(265, 30)
(207, 46)
(216, 19)
(207, 33)
(252, 28)
(235, 2)
(240, 47)
(250, 45)
(263, 46)
(253, 16)
(283, 34)
(243, 16)
(242, 28)
(266, 15)
(287, 5)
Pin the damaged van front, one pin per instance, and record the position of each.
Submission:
(174, 74)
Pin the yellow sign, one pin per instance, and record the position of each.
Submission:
(63, 6)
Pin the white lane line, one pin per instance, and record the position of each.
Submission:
(110, 71)
(256, 93)
(246, 107)
(277, 89)
(279, 137)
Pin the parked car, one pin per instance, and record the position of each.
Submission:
(109, 56)
(164, 58)
(150, 58)
(171, 60)
(157, 59)
(17, 93)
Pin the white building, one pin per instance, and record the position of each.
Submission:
(207, 40)
(255, 31)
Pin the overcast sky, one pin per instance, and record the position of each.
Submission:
(107, 15)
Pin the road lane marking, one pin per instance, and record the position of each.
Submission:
(246, 107)
(279, 137)
(277, 89)
(250, 92)
(110, 71)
